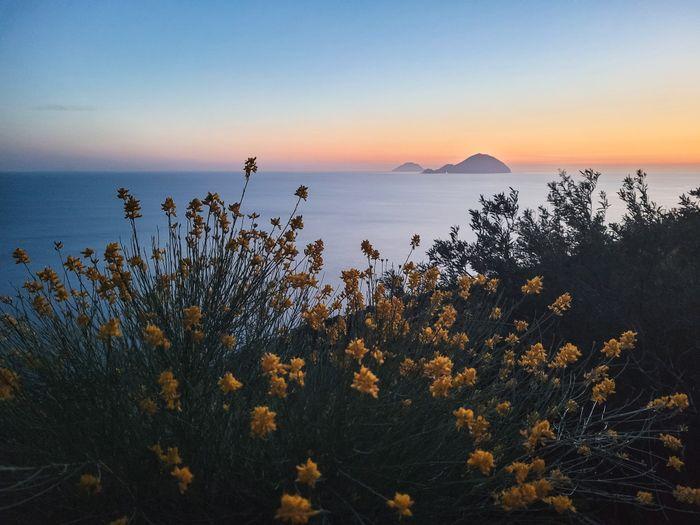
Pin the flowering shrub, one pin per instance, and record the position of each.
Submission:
(215, 377)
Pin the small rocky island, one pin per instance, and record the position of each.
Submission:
(409, 167)
(479, 163)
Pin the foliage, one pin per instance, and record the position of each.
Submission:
(213, 378)
(641, 273)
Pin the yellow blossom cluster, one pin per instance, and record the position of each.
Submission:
(295, 509)
(673, 402)
(537, 434)
(308, 473)
(154, 336)
(366, 382)
(89, 484)
(402, 503)
(228, 383)
(262, 421)
(567, 355)
(276, 372)
(356, 349)
(644, 497)
(532, 286)
(561, 304)
(602, 390)
(481, 460)
(533, 358)
(671, 442)
(191, 317)
(169, 390)
(687, 494)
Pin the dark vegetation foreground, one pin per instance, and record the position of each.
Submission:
(544, 373)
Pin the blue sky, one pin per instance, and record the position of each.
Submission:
(200, 85)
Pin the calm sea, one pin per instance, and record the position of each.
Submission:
(81, 209)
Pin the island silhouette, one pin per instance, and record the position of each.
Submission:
(479, 163)
(409, 167)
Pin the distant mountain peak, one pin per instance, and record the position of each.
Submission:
(478, 163)
(409, 167)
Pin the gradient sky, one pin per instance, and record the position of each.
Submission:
(347, 85)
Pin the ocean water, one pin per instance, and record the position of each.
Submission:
(81, 209)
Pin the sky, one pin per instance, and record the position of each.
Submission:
(331, 85)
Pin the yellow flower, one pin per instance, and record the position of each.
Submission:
(89, 484)
(674, 401)
(439, 366)
(366, 382)
(538, 465)
(171, 457)
(20, 256)
(464, 284)
(567, 355)
(571, 405)
(441, 386)
(479, 429)
(467, 377)
(628, 340)
(503, 408)
(278, 386)
(518, 497)
(534, 357)
(316, 316)
(671, 442)
(687, 495)
(560, 503)
(561, 304)
(168, 389)
(482, 460)
(191, 316)
(228, 383)
(602, 390)
(537, 434)
(183, 476)
(356, 349)
(521, 326)
(519, 469)
(644, 497)
(295, 509)
(407, 366)
(447, 317)
(302, 192)
(533, 286)
(511, 338)
(542, 488)
(402, 503)
(464, 416)
(675, 462)
(612, 348)
(492, 285)
(308, 473)
(154, 336)
(270, 364)
(9, 384)
(295, 370)
(110, 329)
(495, 313)
(263, 421)
(229, 341)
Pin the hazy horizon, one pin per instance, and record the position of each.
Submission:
(364, 86)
